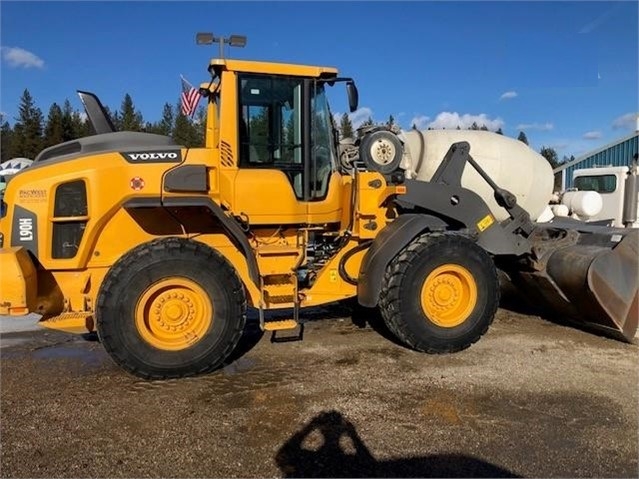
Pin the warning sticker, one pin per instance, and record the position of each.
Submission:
(137, 183)
(485, 222)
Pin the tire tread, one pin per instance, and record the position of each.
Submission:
(136, 257)
(391, 294)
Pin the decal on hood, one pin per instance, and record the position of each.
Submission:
(24, 231)
(168, 156)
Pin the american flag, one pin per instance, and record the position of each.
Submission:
(190, 97)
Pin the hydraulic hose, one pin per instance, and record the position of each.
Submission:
(342, 262)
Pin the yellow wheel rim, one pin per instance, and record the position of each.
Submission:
(173, 314)
(449, 295)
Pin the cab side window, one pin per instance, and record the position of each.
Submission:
(270, 121)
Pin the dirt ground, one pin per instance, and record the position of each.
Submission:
(531, 398)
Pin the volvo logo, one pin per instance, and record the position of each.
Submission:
(153, 157)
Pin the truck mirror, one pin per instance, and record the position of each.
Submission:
(353, 95)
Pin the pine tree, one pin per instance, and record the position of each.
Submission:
(458, 127)
(258, 131)
(200, 124)
(391, 121)
(184, 132)
(289, 142)
(369, 121)
(131, 120)
(87, 128)
(6, 132)
(474, 126)
(346, 126)
(484, 128)
(165, 125)
(54, 128)
(27, 138)
(499, 131)
(522, 137)
(79, 125)
(550, 154)
(68, 132)
(116, 119)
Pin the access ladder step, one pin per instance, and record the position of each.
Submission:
(280, 325)
(70, 322)
(287, 324)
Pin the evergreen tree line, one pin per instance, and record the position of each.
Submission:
(346, 130)
(31, 132)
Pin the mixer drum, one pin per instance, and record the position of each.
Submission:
(510, 163)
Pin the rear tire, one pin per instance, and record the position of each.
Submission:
(440, 293)
(170, 308)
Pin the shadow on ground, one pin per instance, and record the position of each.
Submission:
(329, 446)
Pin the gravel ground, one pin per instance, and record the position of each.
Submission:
(531, 398)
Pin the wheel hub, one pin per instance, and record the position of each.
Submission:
(173, 314)
(383, 152)
(449, 295)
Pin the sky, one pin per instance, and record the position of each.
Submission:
(565, 73)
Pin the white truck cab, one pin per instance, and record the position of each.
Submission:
(617, 186)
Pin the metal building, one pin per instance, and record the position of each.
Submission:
(617, 153)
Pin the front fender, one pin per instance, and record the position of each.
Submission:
(386, 245)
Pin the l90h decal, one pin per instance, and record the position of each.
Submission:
(168, 156)
(24, 231)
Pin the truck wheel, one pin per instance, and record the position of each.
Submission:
(170, 308)
(440, 293)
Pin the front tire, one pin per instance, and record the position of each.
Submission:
(170, 308)
(440, 293)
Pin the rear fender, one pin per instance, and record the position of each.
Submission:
(232, 227)
(19, 282)
(386, 245)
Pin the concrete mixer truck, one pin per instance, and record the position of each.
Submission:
(608, 195)
(160, 248)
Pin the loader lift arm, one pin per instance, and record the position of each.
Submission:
(444, 197)
(585, 273)
(443, 204)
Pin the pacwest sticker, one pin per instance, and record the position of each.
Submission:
(32, 196)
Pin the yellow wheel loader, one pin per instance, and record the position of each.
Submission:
(161, 248)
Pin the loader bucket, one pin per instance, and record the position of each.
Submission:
(594, 281)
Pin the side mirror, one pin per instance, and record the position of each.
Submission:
(353, 95)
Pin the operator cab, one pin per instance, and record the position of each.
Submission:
(285, 136)
(271, 120)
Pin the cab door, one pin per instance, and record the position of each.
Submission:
(286, 162)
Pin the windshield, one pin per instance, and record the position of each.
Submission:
(322, 155)
(599, 183)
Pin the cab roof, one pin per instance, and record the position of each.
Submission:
(218, 65)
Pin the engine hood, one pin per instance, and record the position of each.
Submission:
(117, 141)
